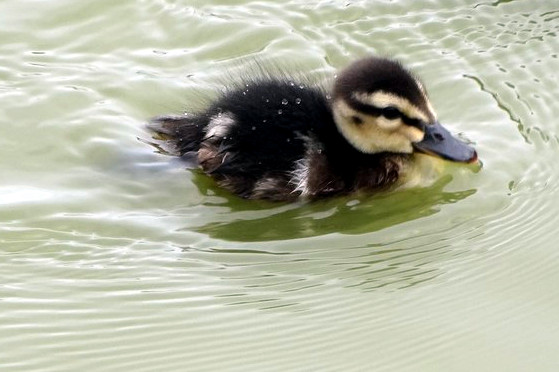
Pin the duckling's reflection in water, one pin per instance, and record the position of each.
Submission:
(241, 220)
(260, 253)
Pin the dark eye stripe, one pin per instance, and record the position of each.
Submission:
(414, 123)
(366, 109)
(389, 112)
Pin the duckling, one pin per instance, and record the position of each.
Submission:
(271, 138)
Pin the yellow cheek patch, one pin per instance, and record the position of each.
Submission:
(388, 124)
(413, 134)
(370, 137)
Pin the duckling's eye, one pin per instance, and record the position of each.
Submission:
(357, 120)
(391, 112)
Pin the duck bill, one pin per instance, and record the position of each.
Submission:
(439, 142)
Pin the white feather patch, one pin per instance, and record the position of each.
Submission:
(219, 125)
(300, 177)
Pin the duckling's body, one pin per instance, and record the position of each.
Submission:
(279, 140)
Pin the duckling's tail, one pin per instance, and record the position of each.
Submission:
(177, 135)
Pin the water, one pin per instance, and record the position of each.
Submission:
(114, 256)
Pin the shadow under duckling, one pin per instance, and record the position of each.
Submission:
(273, 139)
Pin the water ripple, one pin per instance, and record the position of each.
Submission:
(115, 257)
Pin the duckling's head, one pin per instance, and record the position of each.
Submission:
(379, 106)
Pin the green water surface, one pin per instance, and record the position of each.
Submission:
(116, 257)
